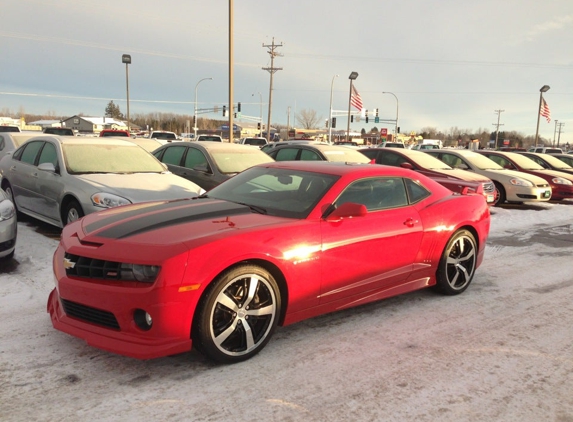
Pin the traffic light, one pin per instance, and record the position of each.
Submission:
(376, 111)
(224, 111)
(398, 129)
(235, 115)
(259, 125)
(333, 124)
(239, 107)
(351, 118)
(366, 116)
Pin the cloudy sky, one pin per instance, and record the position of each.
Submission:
(450, 63)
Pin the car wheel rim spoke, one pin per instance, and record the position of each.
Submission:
(460, 263)
(243, 314)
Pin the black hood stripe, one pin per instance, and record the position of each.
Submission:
(180, 215)
(115, 218)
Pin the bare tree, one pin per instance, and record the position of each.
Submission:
(308, 119)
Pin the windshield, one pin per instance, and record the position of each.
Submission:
(345, 155)
(235, 161)
(557, 163)
(525, 162)
(482, 162)
(279, 192)
(430, 162)
(109, 158)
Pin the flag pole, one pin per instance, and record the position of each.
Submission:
(352, 77)
(543, 89)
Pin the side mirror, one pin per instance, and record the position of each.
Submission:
(347, 210)
(47, 167)
(408, 166)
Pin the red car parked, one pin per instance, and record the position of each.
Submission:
(454, 179)
(278, 243)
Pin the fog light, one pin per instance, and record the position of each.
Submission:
(142, 319)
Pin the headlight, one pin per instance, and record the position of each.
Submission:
(143, 273)
(108, 200)
(521, 182)
(7, 210)
(561, 181)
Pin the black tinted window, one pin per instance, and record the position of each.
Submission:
(416, 192)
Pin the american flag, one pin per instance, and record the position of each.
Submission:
(544, 110)
(355, 99)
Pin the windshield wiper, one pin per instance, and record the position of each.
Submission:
(255, 208)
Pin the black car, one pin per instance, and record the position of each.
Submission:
(317, 152)
(209, 163)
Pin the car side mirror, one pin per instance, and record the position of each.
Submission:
(47, 167)
(347, 210)
(408, 166)
(204, 168)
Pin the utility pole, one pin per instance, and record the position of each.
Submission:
(554, 131)
(497, 126)
(271, 50)
(559, 137)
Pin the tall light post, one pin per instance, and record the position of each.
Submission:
(543, 89)
(554, 132)
(352, 78)
(396, 125)
(261, 114)
(195, 111)
(330, 111)
(126, 58)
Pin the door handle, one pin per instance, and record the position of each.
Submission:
(410, 222)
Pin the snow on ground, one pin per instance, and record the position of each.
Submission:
(502, 351)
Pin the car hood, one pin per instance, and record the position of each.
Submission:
(462, 174)
(509, 174)
(139, 187)
(170, 222)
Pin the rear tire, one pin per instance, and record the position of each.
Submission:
(237, 315)
(458, 264)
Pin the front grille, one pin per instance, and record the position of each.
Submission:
(80, 266)
(89, 314)
(488, 187)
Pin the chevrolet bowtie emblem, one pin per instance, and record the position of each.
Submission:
(68, 264)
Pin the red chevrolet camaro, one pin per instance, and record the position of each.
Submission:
(276, 244)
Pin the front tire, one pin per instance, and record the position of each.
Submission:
(73, 212)
(237, 314)
(501, 197)
(458, 264)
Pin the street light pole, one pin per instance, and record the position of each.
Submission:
(126, 58)
(330, 111)
(195, 110)
(352, 77)
(396, 124)
(261, 114)
(543, 89)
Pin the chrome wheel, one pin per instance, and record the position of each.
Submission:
(239, 314)
(458, 263)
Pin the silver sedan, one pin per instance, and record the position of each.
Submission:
(8, 226)
(59, 179)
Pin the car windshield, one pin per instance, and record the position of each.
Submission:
(278, 192)
(482, 162)
(345, 155)
(525, 162)
(109, 158)
(237, 160)
(427, 161)
(163, 135)
(557, 163)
